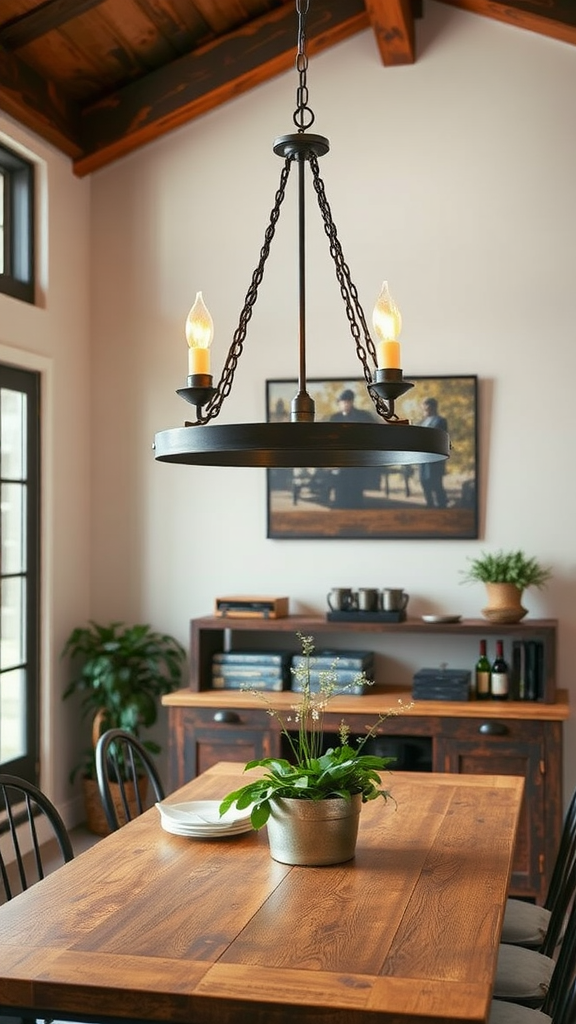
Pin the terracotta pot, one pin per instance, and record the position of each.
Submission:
(314, 832)
(504, 603)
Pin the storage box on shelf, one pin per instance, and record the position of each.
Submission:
(507, 738)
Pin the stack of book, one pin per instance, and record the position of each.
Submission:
(343, 667)
(528, 681)
(251, 670)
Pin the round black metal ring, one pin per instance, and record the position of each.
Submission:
(324, 444)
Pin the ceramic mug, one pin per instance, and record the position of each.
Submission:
(368, 599)
(394, 600)
(342, 599)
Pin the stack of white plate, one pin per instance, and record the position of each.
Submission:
(200, 819)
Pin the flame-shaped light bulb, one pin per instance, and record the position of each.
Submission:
(387, 323)
(199, 334)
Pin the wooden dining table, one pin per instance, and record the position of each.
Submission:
(151, 926)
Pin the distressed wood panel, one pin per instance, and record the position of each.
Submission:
(557, 19)
(98, 78)
(178, 92)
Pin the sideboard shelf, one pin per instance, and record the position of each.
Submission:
(211, 634)
(467, 737)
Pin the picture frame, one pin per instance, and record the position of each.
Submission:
(433, 501)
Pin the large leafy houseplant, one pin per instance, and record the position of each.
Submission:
(121, 672)
(313, 773)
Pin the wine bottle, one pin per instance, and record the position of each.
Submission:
(483, 674)
(499, 675)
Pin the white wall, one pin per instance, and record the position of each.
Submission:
(453, 179)
(52, 338)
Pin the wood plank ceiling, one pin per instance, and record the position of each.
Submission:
(97, 78)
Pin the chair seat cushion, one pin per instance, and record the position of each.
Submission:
(522, 975)
(513, 1013)
(524, 924)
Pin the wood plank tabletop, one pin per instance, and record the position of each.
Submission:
(151, 926)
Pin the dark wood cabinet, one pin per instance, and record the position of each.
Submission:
(200, 737)
(505, 747)
(470, 737)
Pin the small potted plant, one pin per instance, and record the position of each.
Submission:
(506, 575)
(312, 802)
(121, 672)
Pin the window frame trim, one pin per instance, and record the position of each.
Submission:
(29, 380)
(18, 277)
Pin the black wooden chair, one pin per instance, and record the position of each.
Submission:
(23, 863)
(120, 760)
(559, 1006)
(537, 980)
(526, 924)
(512, 1013)
(22, 804)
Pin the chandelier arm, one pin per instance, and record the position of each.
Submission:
(235, 351)
(349, 292)
(348, 289)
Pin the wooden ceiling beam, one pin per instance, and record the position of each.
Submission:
(558, 23)
(200, 81)
(49, 15)
(36, 103)
(393, 25)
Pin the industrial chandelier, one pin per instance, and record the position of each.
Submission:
(302, 442)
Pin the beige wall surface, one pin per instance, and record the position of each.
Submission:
(452, 179)
(52, 338)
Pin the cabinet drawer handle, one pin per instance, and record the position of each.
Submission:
(494, 729)
(229, 717)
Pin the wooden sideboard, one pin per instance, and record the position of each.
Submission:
(474, 737)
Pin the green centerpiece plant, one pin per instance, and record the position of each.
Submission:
(343, 775)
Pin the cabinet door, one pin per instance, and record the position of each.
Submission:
(200, 737)
(500, 747)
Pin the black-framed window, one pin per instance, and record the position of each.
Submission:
(16, 225)
(19, 573)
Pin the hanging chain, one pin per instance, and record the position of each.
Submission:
(303, 116)
(235, 351)
(348, 291)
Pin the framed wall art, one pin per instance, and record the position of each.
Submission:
(435, 500)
